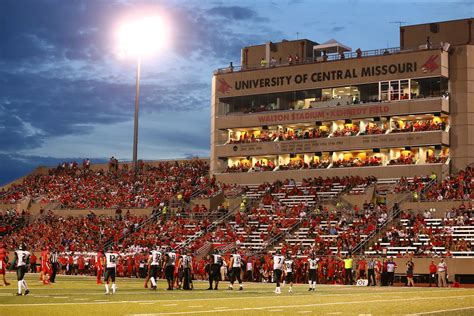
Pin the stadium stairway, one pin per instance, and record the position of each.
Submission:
(394, 217)
(152, 219)
(210, 228)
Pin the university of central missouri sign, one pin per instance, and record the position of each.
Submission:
(330, 74)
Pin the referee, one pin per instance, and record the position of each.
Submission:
(53, 259)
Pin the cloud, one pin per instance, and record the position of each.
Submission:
(336, 29)
(164, 134)
(13, 166)
(233, 12)
(58, 75)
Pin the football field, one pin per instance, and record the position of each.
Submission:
(81, 296)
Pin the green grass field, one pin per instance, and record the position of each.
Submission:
(81, 296)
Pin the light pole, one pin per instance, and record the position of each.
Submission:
(135, 122)
(139, 38)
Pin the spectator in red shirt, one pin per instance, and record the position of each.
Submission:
(433, 270)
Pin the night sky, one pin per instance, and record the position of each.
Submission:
(66, 94)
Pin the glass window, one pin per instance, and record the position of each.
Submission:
(384, 91)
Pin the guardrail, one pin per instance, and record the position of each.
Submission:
(320, 59)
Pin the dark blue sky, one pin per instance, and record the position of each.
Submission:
(65, 94)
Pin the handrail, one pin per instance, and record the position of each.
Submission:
(21, 223)
(202, 248)
(150, 219)
(427, 187)
(394, 214)
(9, 192)
(319, 59)
(211, 226)
(276, 238)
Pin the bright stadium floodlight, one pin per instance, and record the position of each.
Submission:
(140, 38)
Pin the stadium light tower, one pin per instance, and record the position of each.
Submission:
(140, 38)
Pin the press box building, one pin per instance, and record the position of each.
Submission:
(300, 109)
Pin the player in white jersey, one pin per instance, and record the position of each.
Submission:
(170, 261)
(278, 261)
(214, 273)
(313, 272)
(111, 259)
(186, 263)
(236, 268)
(289, 267)
(22, 257)
(153, 264)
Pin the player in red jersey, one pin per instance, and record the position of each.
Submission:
(81, 264)
(130, 266)
(340, 272)
(332, 271)
(3, 263)
(45, 266)
(99, 267)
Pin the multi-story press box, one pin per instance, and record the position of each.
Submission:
(299, 109)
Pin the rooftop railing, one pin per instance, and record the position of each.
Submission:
(321, 59)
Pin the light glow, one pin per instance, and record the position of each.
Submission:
(142, 37)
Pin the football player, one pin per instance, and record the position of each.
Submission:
(186, 262)
(235, 265)
(111, 258)
(153, 264)
(214, 273)
(99, 265)
(278, 261)
(21, 257)
(313, 272)
(45, 266)
(288, 267)
(3, 263)
(170, 261)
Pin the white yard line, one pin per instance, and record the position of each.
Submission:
(443, 311)
(267, 308)
(232, 298)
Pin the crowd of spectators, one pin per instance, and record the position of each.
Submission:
(321, 163)
(358, 162)
(281, 135)
(436, 159)
(11, 220)
(239, 167)
(426, 238)
(68, 233)
(408, 159)
(458, 186)
(351, 130)
(418, 126)
(73, 187)
(415, 184)
(340, 229)
(374, 129)
(346, 130)
(311, 186)
(262, 165)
